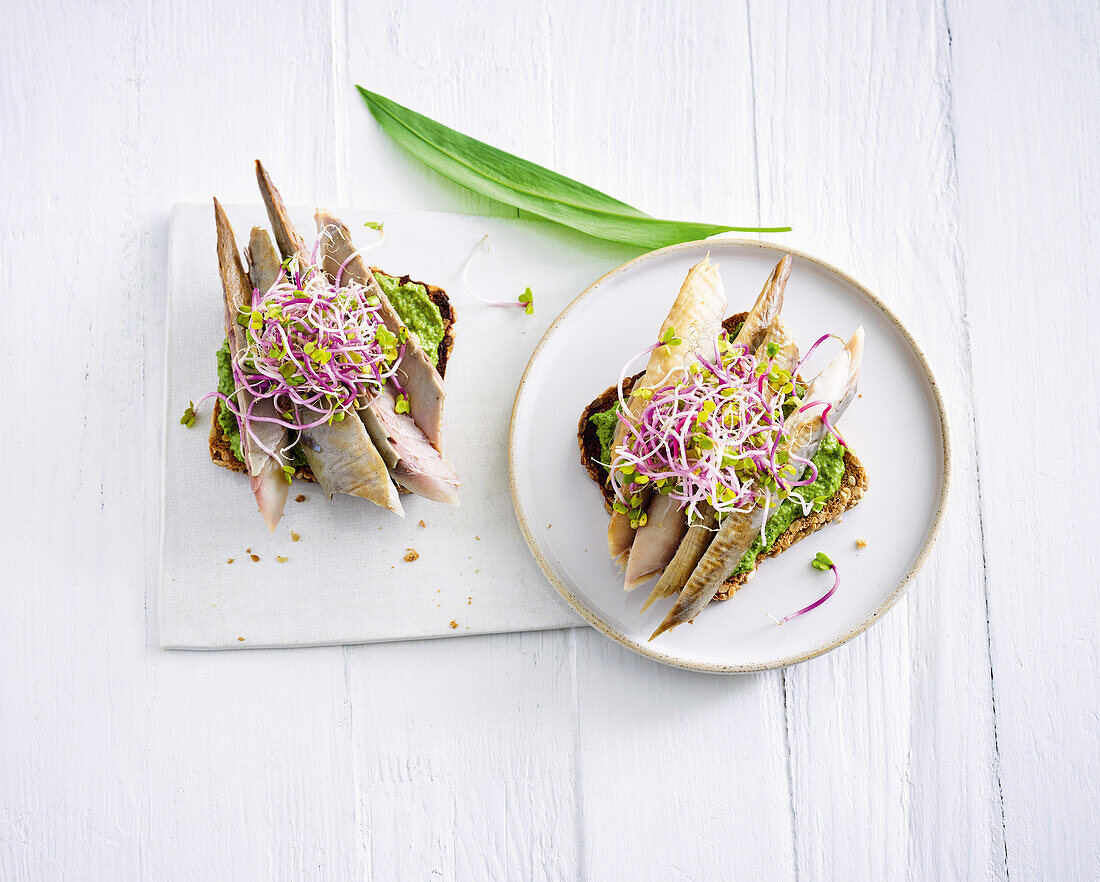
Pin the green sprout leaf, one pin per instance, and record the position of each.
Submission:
(821, 562)
(188, 418)
(669, 338)
(402, 405)
(528, 298)
(373, 225)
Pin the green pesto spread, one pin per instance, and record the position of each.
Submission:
(415, 307)
(605, 430)
(226, 420)
(294, 456)
(829, 460)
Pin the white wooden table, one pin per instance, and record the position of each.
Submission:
(943, 153)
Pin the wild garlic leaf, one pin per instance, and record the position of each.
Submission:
(532, 188)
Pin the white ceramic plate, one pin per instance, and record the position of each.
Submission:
(896, 427)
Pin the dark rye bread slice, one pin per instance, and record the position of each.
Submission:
(853, 484)
(221, 453)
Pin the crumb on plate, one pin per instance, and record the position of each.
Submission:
(454, 624)
(301, 497)
(861, 543)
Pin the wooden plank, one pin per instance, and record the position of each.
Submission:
(892, 747)
(117, 761)
(683, 775)
(474, 742)
(464, 758)
(549, 89)
(1025, 87)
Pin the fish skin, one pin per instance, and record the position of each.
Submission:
(420, 468)
(237, 290)
(377, 431)
(269, 487)
(264, 266)
(341, 455)
(730, 543)
(411, 457)
(785, 359)
(656, 541)
(620, 538)
(344, 460)
(263, 272)
(768, 304)
(688, 554)
(287, 237)
(658, 545)
(696, 318)
(417, 373)
(835, 385)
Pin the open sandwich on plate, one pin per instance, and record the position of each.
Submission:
(719, 454)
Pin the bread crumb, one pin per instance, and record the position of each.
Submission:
(454, 624)
(469, 601)
(423, 524)
(294, 537)
(410, 555)
(861, 543)
(281, 559)
(230, 560)
(301, 497)
(478, 538)
(241, 639)
(255, 557)
(548, 526)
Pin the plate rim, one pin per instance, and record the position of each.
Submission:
(644, 649)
